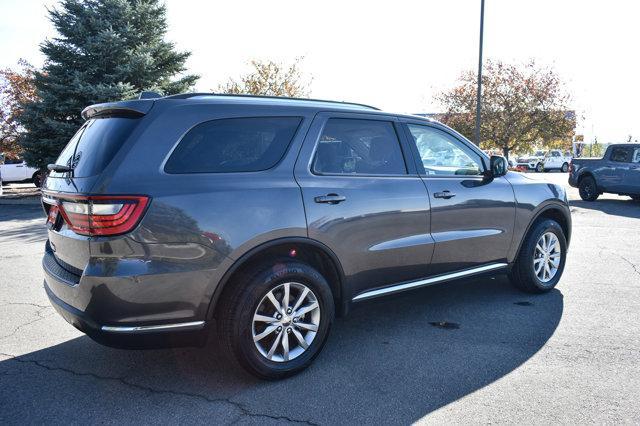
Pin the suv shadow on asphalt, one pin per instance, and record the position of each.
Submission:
(391, 361)
(619, 207)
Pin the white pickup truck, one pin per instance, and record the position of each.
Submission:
(543, 161)
(16, 170)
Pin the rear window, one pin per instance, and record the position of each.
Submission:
(95, 145)
(233, 145)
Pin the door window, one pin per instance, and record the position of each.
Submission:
(620, 155)
(353, 147)
(636, 156)
(442, 154)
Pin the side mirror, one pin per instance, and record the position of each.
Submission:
(498, 166)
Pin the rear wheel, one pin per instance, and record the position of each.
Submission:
(565, 168)
(588, 189)
(276, 323)
(541, 260)
(539, 168)
(38, 178)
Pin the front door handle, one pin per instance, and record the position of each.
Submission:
(330, 199)
(444, 194)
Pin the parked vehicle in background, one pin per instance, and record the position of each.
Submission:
(542, 161)
(617, 172)
(266, 217)
(16, 170)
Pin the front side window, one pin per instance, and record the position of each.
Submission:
(620, 155)
(442, 154)
(352, 146)
(233, 145)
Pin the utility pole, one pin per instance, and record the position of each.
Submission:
(479, 97)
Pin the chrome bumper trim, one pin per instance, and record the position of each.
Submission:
(428, 281)
(194, 325)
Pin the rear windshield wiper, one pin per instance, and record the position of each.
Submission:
(59, 168)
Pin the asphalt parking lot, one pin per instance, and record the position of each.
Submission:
(569, 356)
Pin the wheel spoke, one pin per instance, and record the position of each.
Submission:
(267, 331)
(285, 299)
(306, 309)
(263, 318)
(547, 271)
(538, 268)
(303, 296)
(301, 340)
(274, 301)
(285, 346)
(306, 326)
(275, 344)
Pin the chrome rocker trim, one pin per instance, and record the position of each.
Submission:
(194, 325)
(427, 281)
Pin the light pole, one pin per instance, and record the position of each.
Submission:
(479, 97)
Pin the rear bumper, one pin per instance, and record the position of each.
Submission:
(131, 337)
(102, 308)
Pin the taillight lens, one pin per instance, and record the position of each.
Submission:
(103, 215)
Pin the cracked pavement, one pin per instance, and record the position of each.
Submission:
(568, 356)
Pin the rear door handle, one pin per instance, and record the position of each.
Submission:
(330, 199)
(444, 194)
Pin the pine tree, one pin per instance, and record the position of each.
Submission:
(105, 50)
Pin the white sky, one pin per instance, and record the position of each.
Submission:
(397, 54)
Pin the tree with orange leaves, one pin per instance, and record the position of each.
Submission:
(16, 88)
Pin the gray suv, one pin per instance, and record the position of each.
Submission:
(267, 217)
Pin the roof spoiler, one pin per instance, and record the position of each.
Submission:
(128, 109)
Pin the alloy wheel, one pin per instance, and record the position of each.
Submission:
(546, 257)
(286, 322)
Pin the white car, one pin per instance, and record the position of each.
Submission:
(16, 170)
(541, 161)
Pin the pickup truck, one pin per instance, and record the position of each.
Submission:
(617, 172)
(544, 161)
(16, 170)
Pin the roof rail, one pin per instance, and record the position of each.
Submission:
(191, 95)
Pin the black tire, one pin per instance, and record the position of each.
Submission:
(588, 189)
(238, 305)
(539, 167)
(565, 168)
(38, 178)
(522, 274)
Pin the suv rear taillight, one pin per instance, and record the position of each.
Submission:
(100, 215)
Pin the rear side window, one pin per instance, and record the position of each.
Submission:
(620, 155)
(95, 145)
(233, 145)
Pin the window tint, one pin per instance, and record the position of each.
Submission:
(95, 144)
(442, 154)
(620, 155)
(233, 145)
(636, 156)
(350, 146)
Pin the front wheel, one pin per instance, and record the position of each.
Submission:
(540, 263)
(276, 323)
(588, 189)
(565, 168)
(540, 168)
